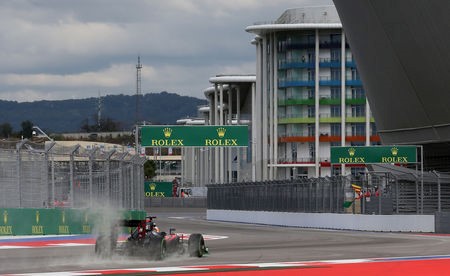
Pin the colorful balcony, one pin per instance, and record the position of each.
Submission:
(329, 138)
(283, 83)
(300, 139)
(328, 63)
(362, 138)
(329, 101)
(353, 82)
(294, 63)
(355, 100)
(296, 102)
(296, 120)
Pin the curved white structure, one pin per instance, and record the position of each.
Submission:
(402, 51)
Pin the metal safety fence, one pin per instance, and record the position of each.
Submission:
(299, 195)
(369, 193)
(37, 175)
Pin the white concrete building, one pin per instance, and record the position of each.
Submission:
(230, 103)
(308, 94)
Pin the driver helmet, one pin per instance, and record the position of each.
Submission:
(150, 226)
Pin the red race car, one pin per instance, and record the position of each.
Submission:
(146, 240)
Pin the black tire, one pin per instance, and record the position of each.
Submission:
(196, 245)
(158, 248)
(103, 247)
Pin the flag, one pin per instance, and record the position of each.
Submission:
(347, 204)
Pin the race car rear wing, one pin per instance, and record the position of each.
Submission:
(134, 222)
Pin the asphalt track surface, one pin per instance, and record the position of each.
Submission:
(247, 244)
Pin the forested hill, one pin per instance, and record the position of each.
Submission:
(70, 115)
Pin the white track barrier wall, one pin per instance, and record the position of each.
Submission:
(383, 223)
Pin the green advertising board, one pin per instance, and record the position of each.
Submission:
(194, 136)
(58, 221)
(375, 154)
(157, 189)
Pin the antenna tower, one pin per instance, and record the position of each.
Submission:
(138, 88)
(99, 110)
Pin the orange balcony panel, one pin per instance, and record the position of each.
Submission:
(375, 138)
(326, 138)
(355, 138)
(296, 139)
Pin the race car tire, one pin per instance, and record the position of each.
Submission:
(158, 248)
(196, 245)
(102, 247)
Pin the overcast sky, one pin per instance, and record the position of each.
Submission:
(64, 49)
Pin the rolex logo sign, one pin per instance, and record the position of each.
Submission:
(395, 158)
(222, 141)
(351, 151)
(157, 189)
(152, 187)
(353, 158)
(6, 229)
(394, 151)
(167, 141)
(221, 132)
(173, 136)
(167, 132)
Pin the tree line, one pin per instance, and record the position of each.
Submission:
(7, 131)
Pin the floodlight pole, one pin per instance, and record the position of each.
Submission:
(43, 133)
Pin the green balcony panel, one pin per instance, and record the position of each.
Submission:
(330, 120)
(355, 101)
(329, 101)
(355, 119)
(296, 102)
(302, 120)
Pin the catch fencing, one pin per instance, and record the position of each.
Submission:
(370, 193)
(38, 175)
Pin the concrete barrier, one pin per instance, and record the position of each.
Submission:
(384, 223)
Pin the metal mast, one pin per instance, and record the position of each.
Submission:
(138, 88)
(99, 110)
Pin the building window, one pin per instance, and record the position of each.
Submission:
(311, 57)
(355, 74)
(311, 74)
(358, 93)
(311, 111)
(335, 38)
(373, 129)
(335, 110)
(311, 130)
(294, 152)
(358, 110)
(335, 55)
(312, 150)
(335, 144)
(358, 129)
(335, 92)
(335, 74)
(310, 93)
(335, 130)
